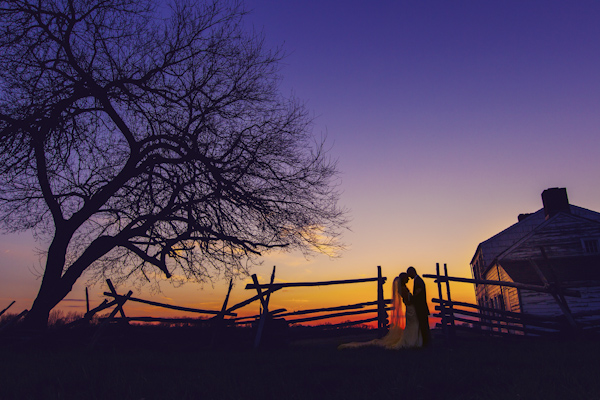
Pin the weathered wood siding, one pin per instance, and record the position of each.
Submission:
(537, 303)
(589, 302)
(510, 296)
(545, 304)
(572, 241)
(477, 269)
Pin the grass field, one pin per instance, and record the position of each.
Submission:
(168, 366)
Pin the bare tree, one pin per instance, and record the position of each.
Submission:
(136, 137)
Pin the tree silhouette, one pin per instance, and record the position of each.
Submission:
(137, 138)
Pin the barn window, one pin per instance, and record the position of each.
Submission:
(590, 245)
(501, 305)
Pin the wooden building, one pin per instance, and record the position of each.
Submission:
(557, 246)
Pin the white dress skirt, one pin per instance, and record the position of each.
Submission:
(397, 338)
(411, 337)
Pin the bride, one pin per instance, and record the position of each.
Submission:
(398, 337)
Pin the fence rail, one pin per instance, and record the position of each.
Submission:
(169, 306)
(227, 317)
(459, 316)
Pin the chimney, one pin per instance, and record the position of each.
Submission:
(555, 200)
(523, 216)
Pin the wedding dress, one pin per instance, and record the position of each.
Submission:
(411, 337)
(404, 329)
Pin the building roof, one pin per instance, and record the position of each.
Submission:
(499, 243)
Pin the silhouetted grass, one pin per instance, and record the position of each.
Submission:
(165, 366)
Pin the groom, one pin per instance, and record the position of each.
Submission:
(420, 302)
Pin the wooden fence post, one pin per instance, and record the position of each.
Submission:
(87, 301)
(119, 306)
(218, 319)
(265, 306)
(224, 307)
(104, 305)
(441, 297)
(450, 305)
(382, 316)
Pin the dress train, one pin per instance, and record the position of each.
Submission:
(397, 337)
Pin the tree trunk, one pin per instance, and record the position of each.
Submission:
(52, 288)
(37, 317)
(48, 297)
(56, 285)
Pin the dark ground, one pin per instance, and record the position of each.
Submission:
(176, 363)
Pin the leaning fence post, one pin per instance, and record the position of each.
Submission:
(87, 301)
(554, 291)
(14, 320)
(224, 306)
(9, 306)
(218, 321)
(441, 296)
(118, 308)
(265, 306)
(381, 313)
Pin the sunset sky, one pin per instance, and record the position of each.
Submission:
(447, 118)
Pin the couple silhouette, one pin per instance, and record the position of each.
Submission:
(411, 331)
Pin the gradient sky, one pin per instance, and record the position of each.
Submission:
(447, 118)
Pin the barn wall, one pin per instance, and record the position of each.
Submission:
(537, 303)
(589, 301)
(561, 237)
(477, 268)
(544, 304)
(510, 296)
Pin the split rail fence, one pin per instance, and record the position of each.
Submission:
(460, 316)
(227, 315)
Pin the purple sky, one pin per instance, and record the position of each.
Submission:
(448, 120)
